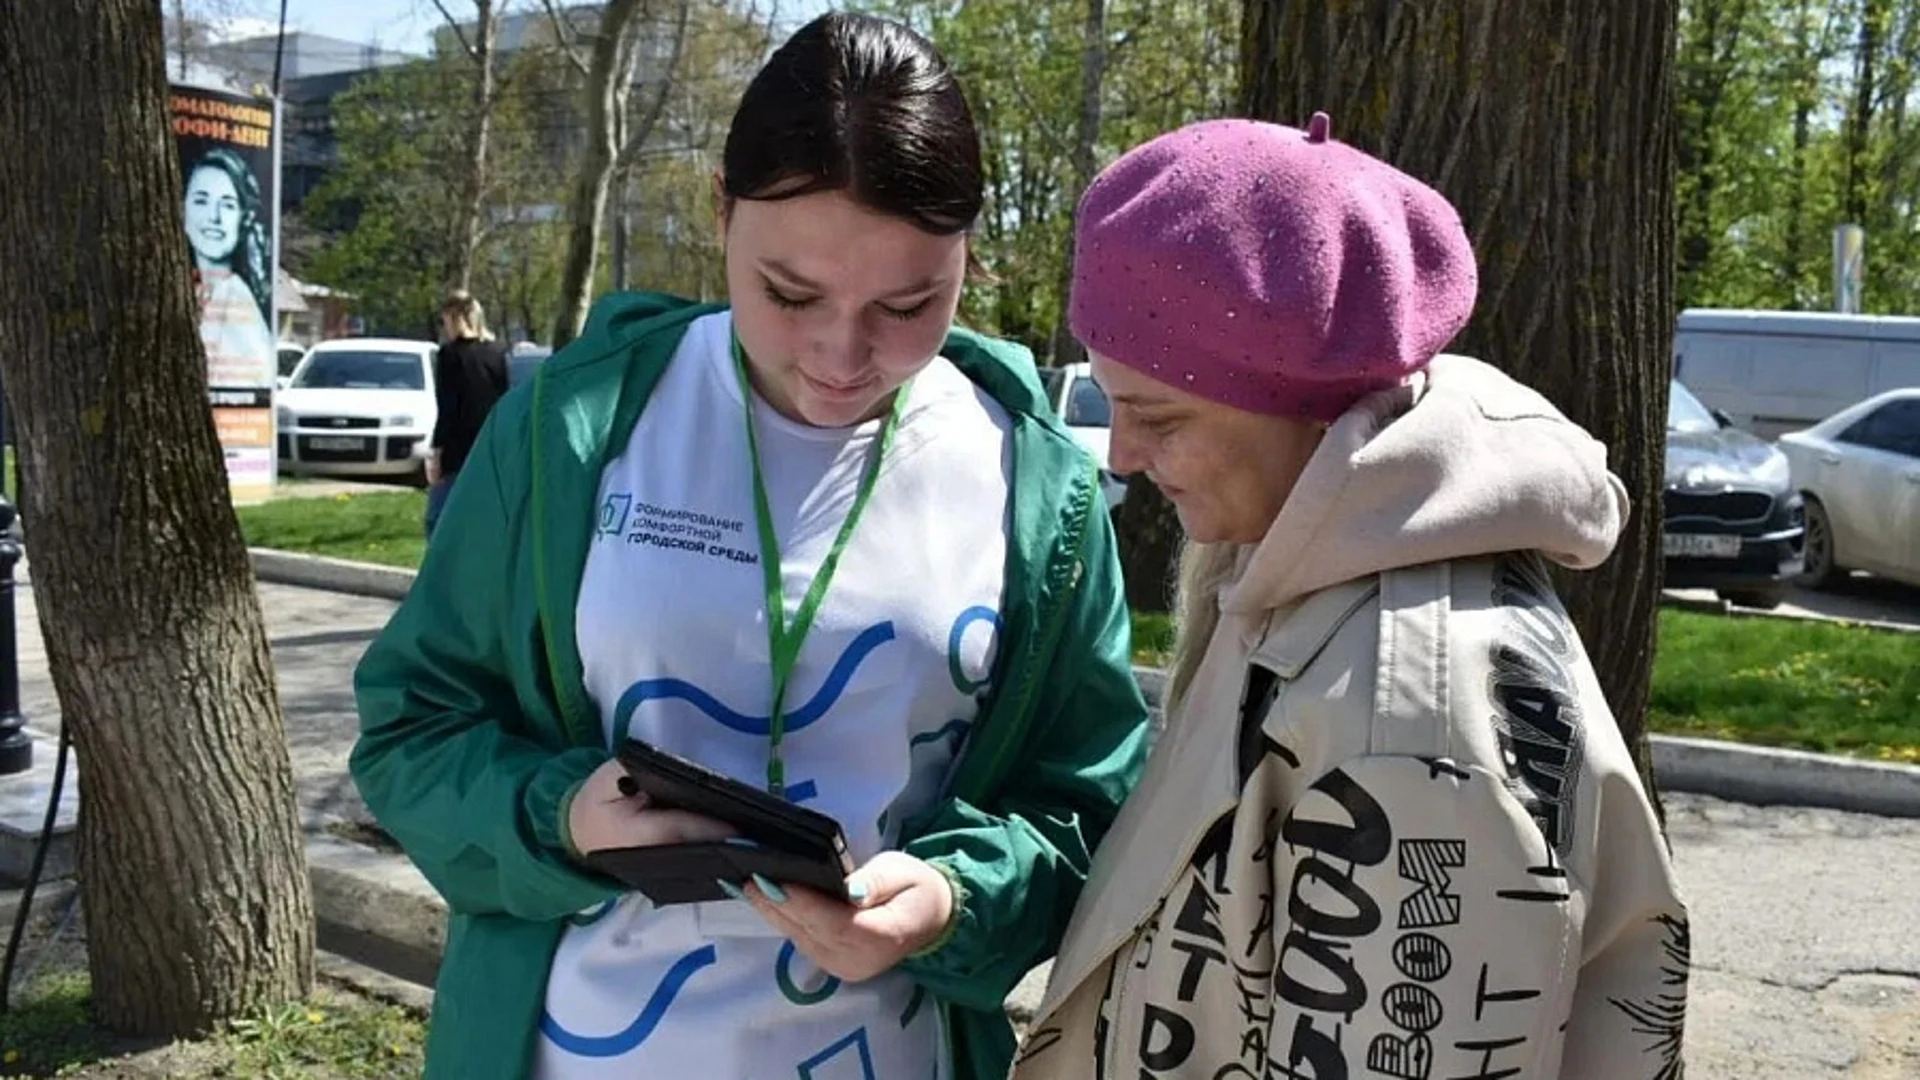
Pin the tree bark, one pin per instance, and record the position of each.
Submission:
(1711, 46)
(1499, 104)
(1813, 49)
(622, 227)
(192, 873)
(180, 35)
(473, 184)
(611, 143)
(1086, 136)
(609, 79)
(1874, 16)
(1150, 539)
(1148, 531)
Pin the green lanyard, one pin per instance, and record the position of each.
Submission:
(783, 641)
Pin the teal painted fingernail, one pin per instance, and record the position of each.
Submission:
(731, 889)
(741, 841)
(774, 892)
(856, 891)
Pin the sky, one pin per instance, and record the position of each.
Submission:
(402, 25)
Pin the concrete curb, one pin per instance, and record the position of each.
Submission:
(1711, 607)
(1757, 775)
(1726, 610)
(1762, 776)
(375, 894)
(332, 575)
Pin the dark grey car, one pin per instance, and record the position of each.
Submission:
(1735, 523)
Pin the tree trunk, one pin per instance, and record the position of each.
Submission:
(1853, 202)
(1711, 48)
(622, 228)
(1148, 531)
(1515, 109)
(180, 35)
(612, 144)
(1806, 88)
(1093, 73)
(1817, 45)
(192, 873)
(1150, 540)
(609, 79)
(473, 195)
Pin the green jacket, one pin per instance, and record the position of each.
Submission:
(475, 721)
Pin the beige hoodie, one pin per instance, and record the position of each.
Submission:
(1392, 830)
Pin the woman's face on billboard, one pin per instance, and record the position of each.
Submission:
(213, 214)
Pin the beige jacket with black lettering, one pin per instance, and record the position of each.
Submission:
(1392, 831)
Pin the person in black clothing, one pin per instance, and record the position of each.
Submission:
(469, 377)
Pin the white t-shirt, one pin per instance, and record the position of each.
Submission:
(673, 637)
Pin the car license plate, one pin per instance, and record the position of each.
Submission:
(1688, 546)
(337, 442)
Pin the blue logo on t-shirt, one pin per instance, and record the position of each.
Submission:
(614, 512)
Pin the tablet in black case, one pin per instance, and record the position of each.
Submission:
(782, 842)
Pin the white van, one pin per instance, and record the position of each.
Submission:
(1773, 372)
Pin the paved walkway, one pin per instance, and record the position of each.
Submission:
(1806, 959)
(317, 637)
(1806, 963)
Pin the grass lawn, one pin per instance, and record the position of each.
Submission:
(1814, 686)
(383, 527)
(1780, 682)
(1152, 639)
(338, 1035)
(1826, 687)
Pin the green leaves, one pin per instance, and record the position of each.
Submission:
(391, 202)
(1768, 93)
(1169, 63)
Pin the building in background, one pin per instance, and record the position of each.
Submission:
(314, 69)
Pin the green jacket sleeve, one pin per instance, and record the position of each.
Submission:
(1019, 865)
(451, 759)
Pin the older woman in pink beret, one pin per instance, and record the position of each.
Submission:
(1391, 829)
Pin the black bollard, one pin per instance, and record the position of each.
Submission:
(16, 749)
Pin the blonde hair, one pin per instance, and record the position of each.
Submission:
(1196, 605)
(467, 318)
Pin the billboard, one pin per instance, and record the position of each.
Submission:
(229, 161)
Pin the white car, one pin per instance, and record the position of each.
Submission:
(1083, 406)
(1860, 470)
(358, 407)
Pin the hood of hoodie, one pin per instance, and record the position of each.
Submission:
(1461, 463)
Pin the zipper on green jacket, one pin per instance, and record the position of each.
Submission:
(1056, 620)
(578, 732)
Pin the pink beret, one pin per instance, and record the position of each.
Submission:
(1268, 268)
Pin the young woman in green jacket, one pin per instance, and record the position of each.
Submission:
(946, 671)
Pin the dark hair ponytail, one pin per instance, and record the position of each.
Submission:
(864, 105)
